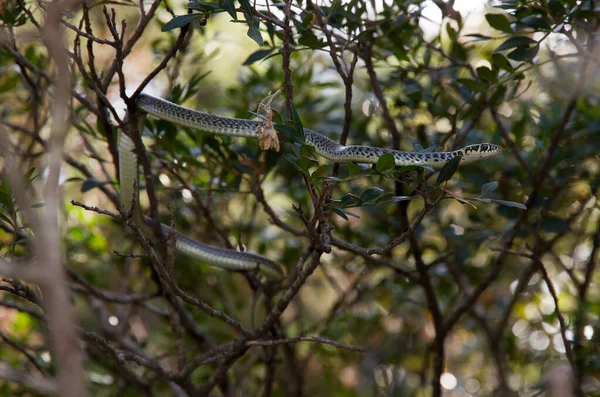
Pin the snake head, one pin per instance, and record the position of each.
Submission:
(479, 151)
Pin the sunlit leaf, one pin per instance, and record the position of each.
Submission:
(385, 163)
(499, 22)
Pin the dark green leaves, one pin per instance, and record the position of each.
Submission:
(500, 62)
(370, 194)
(515, 41)
(311, 41)
(524, 53)
(293, 133)
(258, 55)
(524, 48)
(228, 6)
(448, 170)
(288, 132)
(297, 123)
(343, 213)
(180, 21)
(6, 200)
(254, 29)
(368, 197)
(499, 22)
(204, 6)
(486, 74)
(292, 159)
(246, 6)
(90, 184)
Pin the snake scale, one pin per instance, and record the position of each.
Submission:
(331, 150)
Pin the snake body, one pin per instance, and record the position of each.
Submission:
(324, 146)
(219, 257)
(235, 260)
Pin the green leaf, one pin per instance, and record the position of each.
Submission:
(553, 224)
(294, 161)
(319, 172)
(395, 199)
(515, 41)
(6, 219)
(452, 33)
(349, 200)
(28, 175)
(472, 84)
(342, 212)
(204, 6)
(257, 56)
(499, 22)
(385, 163)
(370, 194)
(335, 4)
(229, 6)
(246, 6)
(448, 170)
(6, 200)
(297, 123)
(383, 197)
(354, 169)
(486, 73)
(499, 61)
(308, 151)
(288, 132)
(306, 162)
(510, 204)
(310, 40)
(479, 37)
(179, 21)
(498, 96)
(483, 200)
(488, 188)
(9, 84)
(254, 30)
(535, 22)
(90, 184)
(523, 53)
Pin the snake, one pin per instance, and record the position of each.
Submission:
(244, 261)
(324, 146)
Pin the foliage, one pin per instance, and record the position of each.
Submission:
(475, 279)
